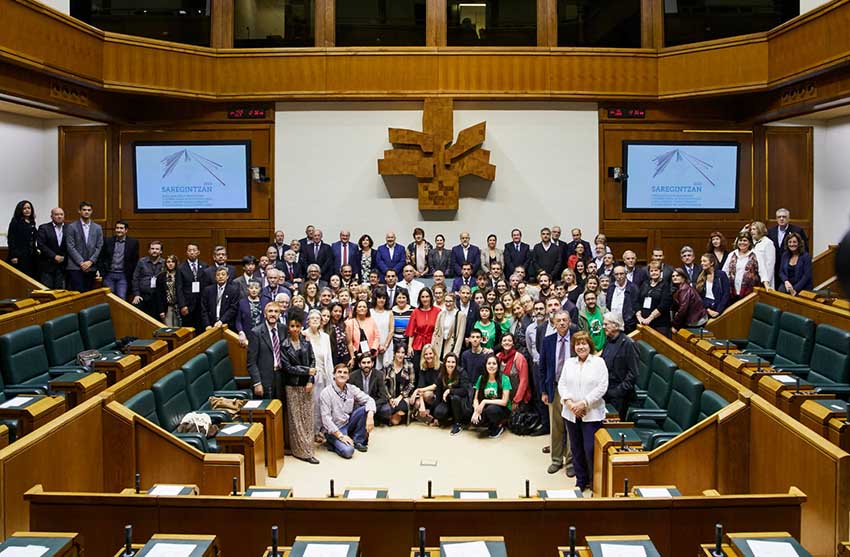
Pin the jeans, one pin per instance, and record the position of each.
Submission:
(117, 282)
(355, 428)
(582, 443)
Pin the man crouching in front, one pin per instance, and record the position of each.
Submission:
(348, 415)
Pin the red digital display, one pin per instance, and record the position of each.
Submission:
(246, 113)
(626, 113)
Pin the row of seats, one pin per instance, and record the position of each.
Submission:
(189, 389)
(669, 399)
(817, 354)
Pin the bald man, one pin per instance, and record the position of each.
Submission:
(50, 239)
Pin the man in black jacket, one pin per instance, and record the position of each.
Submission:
(189, 286)
(118, 260)
(621, 357)
(373, 383)
(264, 361)
(547, 256)
(517, 253)
(622, 297)
(220, 302)
(50, 239)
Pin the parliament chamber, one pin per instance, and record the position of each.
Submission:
(135, 414)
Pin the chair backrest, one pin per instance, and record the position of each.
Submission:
(830, 361)
(62, 339)
(764, 327)
(683, 406)
(221, 368)
(645, 354)
(22, 356)
(144, 404)
(660, 383)
(96, 327)
(199, 383)
(796, 338)
(172, 401)
(710, 403)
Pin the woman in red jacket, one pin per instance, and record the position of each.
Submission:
(688, 310)
(420, 328)
(514, 366)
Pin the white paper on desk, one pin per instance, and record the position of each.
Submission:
(362, 493)
(171, 550)
(326, 550)
(837, 407)
(16, 402)
(252, 404)
(265, 494)
(166, 489)
(24, 551)
(787, 379)
(231, 429)
(561, 494)
(655, 492)
(763, 548)
(474, 495)
(622, 550)
(466, 549)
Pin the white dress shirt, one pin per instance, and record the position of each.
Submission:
(585, 381)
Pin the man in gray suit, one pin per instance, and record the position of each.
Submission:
(264, 357)
(84, 240)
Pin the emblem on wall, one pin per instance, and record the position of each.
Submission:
(437, 161)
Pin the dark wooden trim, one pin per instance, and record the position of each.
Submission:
(221, 35)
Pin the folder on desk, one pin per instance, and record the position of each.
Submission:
(172, 490)
(472, 547)
(775, 544)
(573, 493)
(365, 493)
(174, 546)
(473, 494)
(621, 546)
(314, 546)
(268, 492)
(657, 491)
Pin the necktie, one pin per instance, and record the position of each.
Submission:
(194, 269)
(316, 251)
(289, 265)
(275, 347)
(218, 297)
(562, 352)
(345, 254)
(59, 235)
(517, 247)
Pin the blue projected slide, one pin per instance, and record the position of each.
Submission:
(681, 176)
(192, 176)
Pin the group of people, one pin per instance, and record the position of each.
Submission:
(463, 337)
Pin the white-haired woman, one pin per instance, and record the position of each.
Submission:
(321, 343)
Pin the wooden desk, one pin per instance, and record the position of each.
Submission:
(594, 542)
(713, 353)
(429, 552)
(249, 442)
(205, 546)
(839, 433)
(8, 305)
(117, 368)
(790, 400)
(581, 551)
(78, 387)
(4, 436)
(816, 414)
(149, 349)
(174, 336)
(133, 547)
(35, 413)
(282, 551)
(738, 541)
(301, 543)
(708, 550)
(771, 388)
(844, 549)
(42, 296)
(607, 442)
(59, 544)
(270, 415)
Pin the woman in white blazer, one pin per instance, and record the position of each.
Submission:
(583, 383)
(321, 343)
(448, 329)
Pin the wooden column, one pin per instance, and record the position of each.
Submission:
(436, 23)
(221, 35)
(652, 24)
(547, 23)
(325, 23)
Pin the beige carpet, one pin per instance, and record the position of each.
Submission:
(397, 460)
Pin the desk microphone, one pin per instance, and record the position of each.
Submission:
(274, 542)
(701, 330)
(527, 489)
(138, 483)
(332, 488)
(572, 541)
(421, 541)
(758, 364)
(718, 541)
(728, 342)
(798, 385)
(626, 487)
(251, 415)
(128, 541)
(235, 486)
(429, 490)
(622, 442)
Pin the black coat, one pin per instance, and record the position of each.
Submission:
(514, 258)
(21, 239)
(229, 306)
(50, 248)
(630, 301)
(185, 278)
(377, 385)
(550, 260)
(131, 257)
(325, 259)
(296, 363)
(621, 357)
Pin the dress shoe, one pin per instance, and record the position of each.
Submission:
(571, 472)
(361, 447)
(309, 460)
(547, 449)
(554, 467)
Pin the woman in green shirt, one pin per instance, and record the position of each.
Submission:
(490, 334)
(501, 318)
(492, 399)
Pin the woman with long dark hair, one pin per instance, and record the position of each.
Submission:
(367, 256)
(299, 371)
(21, 239)
(336, 332)
(688, 310)
(166, 295)
(454, 401)
(361, 329)
(492, 405)
(712, 286)
(795, 268)
(420, 328)
(718, 247)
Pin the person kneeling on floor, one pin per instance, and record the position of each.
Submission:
(346, 410)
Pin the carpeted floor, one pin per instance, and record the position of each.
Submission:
(403, 459)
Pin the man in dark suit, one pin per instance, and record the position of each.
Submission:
(390, 256)
(264, 358)
(464, 278)
(293, 272)
(345, 253)
(84, 241)
(279, 245)
(308, 238)
(689, 264)
(622, 297)
(779, 233)
(373, 383)
(220, 302)
(467, 306)
(50, 239)
(190, 276)
(219, 261)
(143, 284)
(635, 274)
(546, 256)
(275, 286)
(571, 246)
(274, 260)
(464, 252)
(249, 273)
(118, 260)
(622, 359)
(517, 253)
(666, 270)
(320, 253)
(554, 351)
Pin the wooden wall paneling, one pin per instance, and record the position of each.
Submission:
(15, 284)
(547, 23)
(325, 22)
(119, 461)
(83, 168)
(474, 72)
(271, 74)
(652, 24)
(789, 175)
(608, 73)
(221, 35)
(385, 72)
(733, 440)
(823, 265)
(436, 23)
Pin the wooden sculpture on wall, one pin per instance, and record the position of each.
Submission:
(434, 159)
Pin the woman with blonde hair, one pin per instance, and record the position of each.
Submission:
(424, 397)
(449, 330)
(321, 343)
(765, 252)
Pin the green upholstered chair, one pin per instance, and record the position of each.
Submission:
(764, 329)
(199, 382)
(710, 403)
(793, 344)
(96, 328)
(62, 340)
(655, 427)
(172, 403)
(144, 404)
(221, 368)
(829, 367)
(646, 353)
(660, 385)
(24, 364)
